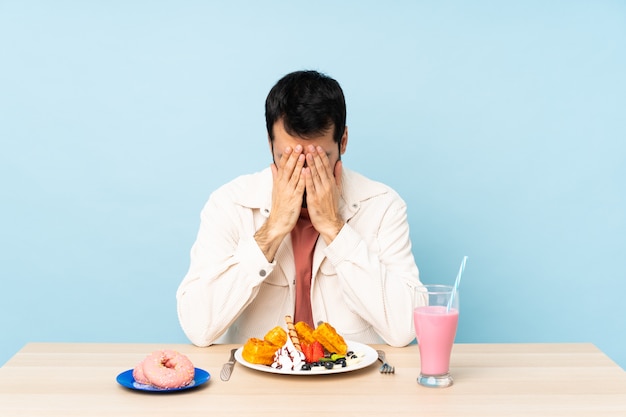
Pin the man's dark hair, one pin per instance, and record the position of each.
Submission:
(309, 103)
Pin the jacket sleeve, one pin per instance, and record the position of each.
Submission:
(225, 272)
(377, 272)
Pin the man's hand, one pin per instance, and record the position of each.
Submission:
(287, 192)
(323, 191)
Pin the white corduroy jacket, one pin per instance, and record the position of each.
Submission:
(362, 283)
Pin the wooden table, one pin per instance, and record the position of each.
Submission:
(77, 379)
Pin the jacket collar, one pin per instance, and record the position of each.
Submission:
(257, 193)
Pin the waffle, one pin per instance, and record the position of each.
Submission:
(330, 339)
(277, 336)
(305, 332)
(261, 351)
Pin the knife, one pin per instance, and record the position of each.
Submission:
(227, 369)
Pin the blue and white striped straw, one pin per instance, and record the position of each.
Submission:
(457, 281)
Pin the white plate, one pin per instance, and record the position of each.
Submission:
(366, 353)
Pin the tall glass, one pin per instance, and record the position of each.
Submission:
(436, 317)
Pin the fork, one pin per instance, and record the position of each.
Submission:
(227, 368)
(385, 368)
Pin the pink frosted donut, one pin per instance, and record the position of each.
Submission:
(168, 369)
(138, 374)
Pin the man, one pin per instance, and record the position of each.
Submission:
(305, 237)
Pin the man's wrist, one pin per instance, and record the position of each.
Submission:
(332, 232)
(268, 241)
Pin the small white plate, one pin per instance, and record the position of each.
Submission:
(367, 355)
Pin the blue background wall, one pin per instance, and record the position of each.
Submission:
(501, 123)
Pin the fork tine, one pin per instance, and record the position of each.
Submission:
(385, 367)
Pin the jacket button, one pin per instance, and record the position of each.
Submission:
(262, 272)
